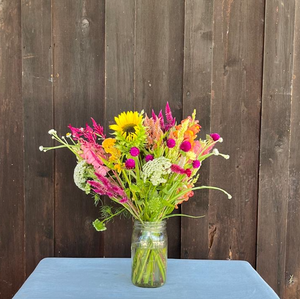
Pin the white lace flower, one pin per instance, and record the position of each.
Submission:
(217, 153)
(155, 169)
(79, 175)
(52, 132)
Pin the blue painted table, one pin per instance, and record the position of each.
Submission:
(95, 278)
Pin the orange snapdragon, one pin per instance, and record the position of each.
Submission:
(186, 196)
(108, 145)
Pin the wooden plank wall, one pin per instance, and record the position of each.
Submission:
(235, 61)
(278, 214)
(78, 78)
(119, 96)
(12, 259)
(37, 94)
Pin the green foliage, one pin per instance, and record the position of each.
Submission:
(99, 225)
(154, 205)
(97, 198)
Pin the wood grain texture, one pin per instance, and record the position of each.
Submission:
(292, 266)
(235, 114)
(119, 97)
(78, 28)
(275, 142)
(11, 151)
(38, 119)
(197, 95)
(158, 69)
(98, 58)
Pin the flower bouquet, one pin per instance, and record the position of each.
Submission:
(148, 168)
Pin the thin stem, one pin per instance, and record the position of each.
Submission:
(183, 215)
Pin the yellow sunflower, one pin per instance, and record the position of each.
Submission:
(128, 125)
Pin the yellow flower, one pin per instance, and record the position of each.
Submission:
(115, 155)
(128, 125)
(108, 143)
(118, 167)
(191, 155)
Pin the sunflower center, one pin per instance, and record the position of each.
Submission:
(129, 128)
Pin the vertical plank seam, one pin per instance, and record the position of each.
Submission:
(260, 131)
(134, 57)
(23, 147)
(182, 113)
(212, 95)
(284, 287)
(105, 64)
(53, 125)
(183, 55)
(103, 237)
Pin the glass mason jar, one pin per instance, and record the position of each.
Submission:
(149, 249)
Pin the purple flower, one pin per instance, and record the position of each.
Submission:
(170, 119)
(154, 115)
(171, 143)
(168, 113)
(97, 128)
(177, 169)
(130, 164)
(123, 200)
(162, 122)
(196, 164)
(185, 146)
(188, 172)
(215, 136)
(134, 151)
(107, 186)
(149, 158)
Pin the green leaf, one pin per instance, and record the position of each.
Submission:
(87, 189)
(166, 203)
(154, 205)
(135, 188)
(96, 198)
(99, 225)
(106, 211)
(209, 138)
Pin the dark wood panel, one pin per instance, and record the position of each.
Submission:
(38, 119)
(78, 28)
(159, 68)
(11, 151)
(275, 139)
(292, 263)
(119, 96)
(235, 114)
(99, 58)
(197, 95)
(292, 267)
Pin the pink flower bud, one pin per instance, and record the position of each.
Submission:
(130, 164)
(134, 151)
(171, 143)
(185, 146)
(196, 164)
(215, 136)
(149, 158)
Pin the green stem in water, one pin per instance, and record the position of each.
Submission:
(143, 267)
